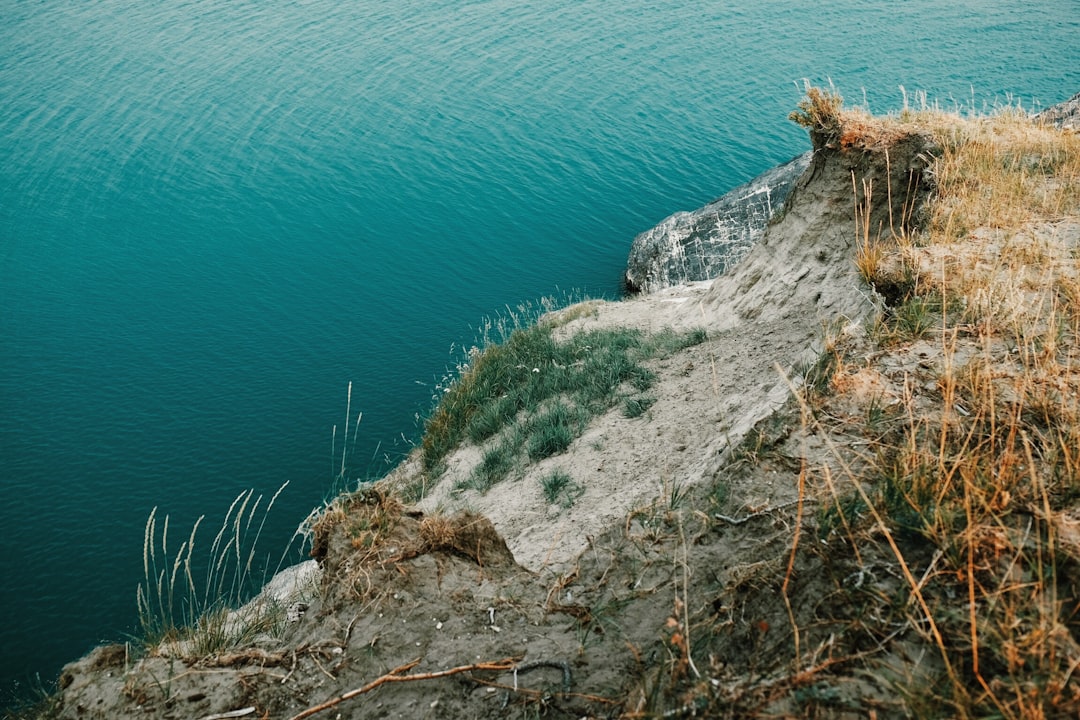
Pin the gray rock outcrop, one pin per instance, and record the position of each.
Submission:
(1065, 115)
(702, 244)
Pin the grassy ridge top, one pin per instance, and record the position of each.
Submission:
(967, 402)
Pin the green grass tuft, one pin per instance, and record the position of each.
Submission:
(496, 464)
(507, 388)
(558, 484)
(551, 432)
(637, 406)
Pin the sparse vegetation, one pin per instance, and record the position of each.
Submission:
(949, 484)
(537, 392)
(977, 467)
(559, 488)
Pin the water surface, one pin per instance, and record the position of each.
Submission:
(213, 215)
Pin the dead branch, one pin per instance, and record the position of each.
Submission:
(762, 513)
(396, 675)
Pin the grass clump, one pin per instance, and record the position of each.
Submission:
(559, 488)
(668, 342)
(913, 319)
(552, 431)
(538, 391)
(491, 418)
(635, 407)
(495, 465)
(819, 112)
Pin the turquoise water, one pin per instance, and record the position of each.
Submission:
(213, 215)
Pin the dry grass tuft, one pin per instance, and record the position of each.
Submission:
(438, 531)
(819, 112)
(365, 517)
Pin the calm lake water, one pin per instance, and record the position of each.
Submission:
(215, 214)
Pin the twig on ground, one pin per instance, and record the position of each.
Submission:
(320, 666)
(231, 714)
(291, 670)
(348, 632)
(396, 675)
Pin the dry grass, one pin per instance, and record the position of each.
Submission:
(980, 464)
(952, 433)
(819, 112)
(365, 518)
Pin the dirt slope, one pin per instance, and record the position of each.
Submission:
(765, 322)
(599, 587)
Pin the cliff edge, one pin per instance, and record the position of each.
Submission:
(840, 480)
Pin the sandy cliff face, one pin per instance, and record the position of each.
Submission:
(764, 321)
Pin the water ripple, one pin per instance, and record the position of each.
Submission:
(214, 214)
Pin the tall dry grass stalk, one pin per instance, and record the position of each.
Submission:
(191, 611)
(869, 251)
